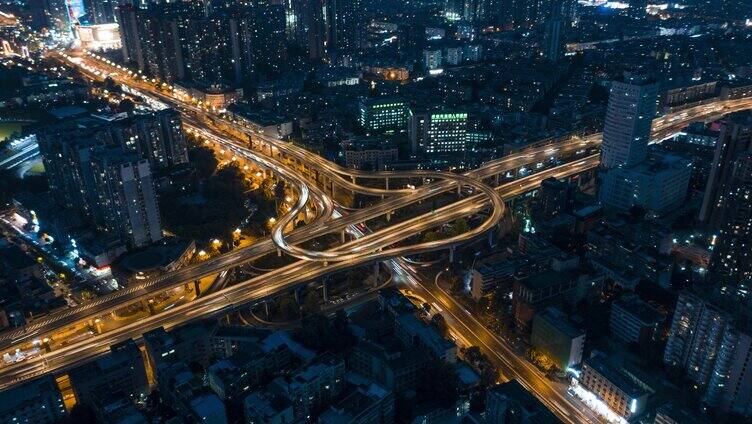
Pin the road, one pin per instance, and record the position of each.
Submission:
(375, 247)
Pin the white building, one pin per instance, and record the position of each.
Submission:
(432, 59)
(658, 184)
(626, 133)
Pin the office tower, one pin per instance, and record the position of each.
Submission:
(383, 114)
(121, 371)
(629, 117)
(345, 24)
(735, 138)
(130, 38)
(126, 196)
(553, 39)
(438, 133)
(36, 401)
(732, 258)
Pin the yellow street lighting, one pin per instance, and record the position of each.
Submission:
(202, 253)
(216, 242)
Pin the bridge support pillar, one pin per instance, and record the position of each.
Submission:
(325, 287)
(497, 179)
(376, 269)
(387, 183)
(388, 216)
(279, 252)
(459, 189)
(266, 309)
(451, 254)
(342, 237)
(197, 287)
(297, 296)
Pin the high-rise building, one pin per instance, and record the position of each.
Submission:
(695, 336)
(315, 16)
(36, 401)
(713, 347)
(126, 197)
(58, 17)
(438, 133)
(629, 117)
(66, 151)
(383, 114)
(258, 38)
(732, 257)
(130, 38)
(553, 39)
(100, 11)
(345, 24)
(161, 44)
(735, 138)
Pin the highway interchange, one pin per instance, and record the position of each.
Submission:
(306, 172)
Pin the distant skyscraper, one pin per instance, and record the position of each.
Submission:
(130, 38)
(735, 138)
(732, 257)
(126, 196)
(345, 24)
(317, 29)
(100, 11)
(553, 39)
(629, 117)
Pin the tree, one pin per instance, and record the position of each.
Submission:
(288, 309)
(460, 227)
(439, 383)
(203, 161)
(279, 191)
(637, 212)
(311, 301)
(438, 322)
(431, 236)
(127, 105)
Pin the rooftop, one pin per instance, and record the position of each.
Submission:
(600, 365)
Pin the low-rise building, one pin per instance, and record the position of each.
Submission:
(37, 401)
(510, 403)
(635, 321)
(622, 395)
(558, 338)
(372, 405)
